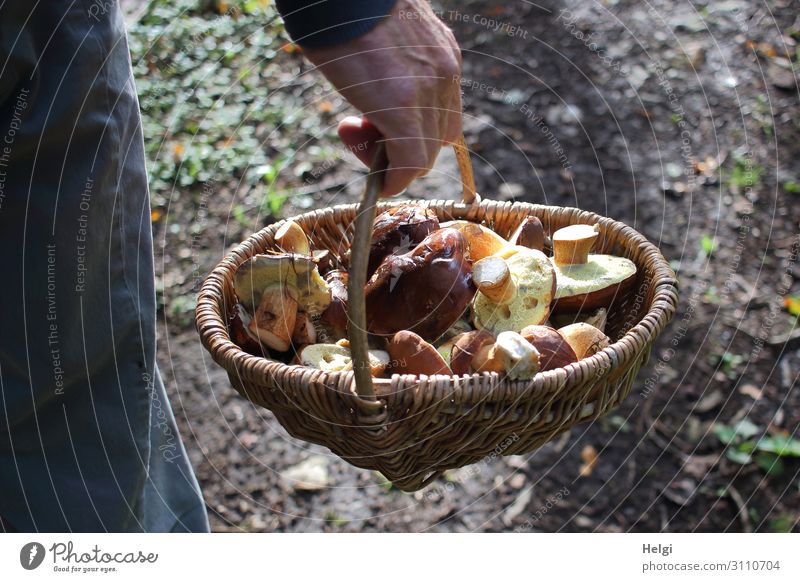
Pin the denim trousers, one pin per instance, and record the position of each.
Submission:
(88, 441)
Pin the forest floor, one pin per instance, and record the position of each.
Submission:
(681, 119)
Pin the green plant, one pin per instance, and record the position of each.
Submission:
(708, 245)
(744, 447)
(745, 174)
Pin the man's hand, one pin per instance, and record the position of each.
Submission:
(403, 75)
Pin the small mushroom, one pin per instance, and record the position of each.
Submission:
(397, 231)
(425, 290)
(334, 318)
(511, 355)
(525, 293)
(336, 358)
(585, 340)
(325, 261)
(291, 238)
(467, 346)
(530, 233)
(410, 354)
(587, 281)
(554, 350)
(481, 241)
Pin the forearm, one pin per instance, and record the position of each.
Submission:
(324, 23)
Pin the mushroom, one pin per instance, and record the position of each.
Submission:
(237, 327)
(585, 340)
(513, 295)
(335, 358)
(298, 272)
(466, 348)
(334, 318)
(399, 229)
(410, 354)
(274, 319)
(325, 260)
(511, 355)
(554, 350)
(586, 281)
(596, 318)
(530, 233)
(291, 238)
(481, 241)
(304, 332)
(425, 290)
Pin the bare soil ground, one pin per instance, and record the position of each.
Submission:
(680, 119)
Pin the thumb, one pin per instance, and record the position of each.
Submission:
(359, 135)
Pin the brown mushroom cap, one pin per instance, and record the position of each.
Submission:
(291, 238)
(335, 315)
(237, 327)
(398, 230)
(586, 340)
(530, 233)
(466, 348)
(481, 241)
(410, 354)
(554, 350)
(424, 291)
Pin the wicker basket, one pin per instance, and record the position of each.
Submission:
(412, 428)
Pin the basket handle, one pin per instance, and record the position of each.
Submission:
(359, 256)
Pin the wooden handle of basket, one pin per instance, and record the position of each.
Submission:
(359, 256)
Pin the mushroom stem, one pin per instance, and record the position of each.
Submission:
(275, 317)
(572, 244)
(511, 355)
(291, 238)
(493, 278)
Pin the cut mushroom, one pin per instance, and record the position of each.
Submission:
(410, 354)
(274, 320)
(467, 347)
(511, 355)
(237, 326)
(530, 233)
(587, 281)
(481, 241)
(425, 291)
(554, 350)
(585, 340)
(534, 285)
(291, 238)
(335, 358)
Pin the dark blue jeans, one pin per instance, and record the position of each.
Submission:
(88, 441)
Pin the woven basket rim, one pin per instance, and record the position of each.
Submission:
(214, 334)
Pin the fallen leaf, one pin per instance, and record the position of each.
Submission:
(752, 391)
(325, 107)
(155, 215)
(589, 457)
(792, 304)
(291, 48)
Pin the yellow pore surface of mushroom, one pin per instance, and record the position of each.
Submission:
(534, 279)
(599, 272)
